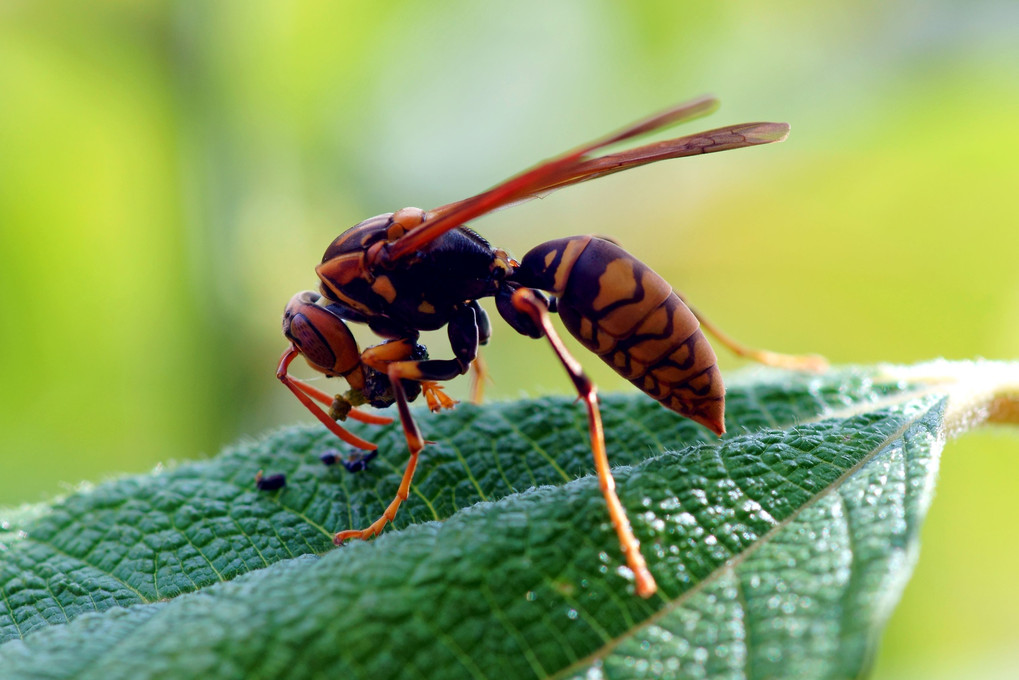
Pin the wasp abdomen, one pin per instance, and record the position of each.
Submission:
(628, 315)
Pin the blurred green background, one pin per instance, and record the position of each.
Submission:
(170, 173)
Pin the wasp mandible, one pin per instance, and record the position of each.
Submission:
(410, 271)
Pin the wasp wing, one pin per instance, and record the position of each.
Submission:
(573, 167)
(711, 141)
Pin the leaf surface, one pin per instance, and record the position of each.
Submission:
(779, 550)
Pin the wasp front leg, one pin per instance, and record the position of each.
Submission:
(464, 337)
(329, 347)
(397, 373)
(527, 312)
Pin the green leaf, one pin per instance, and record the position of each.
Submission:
(779, 550)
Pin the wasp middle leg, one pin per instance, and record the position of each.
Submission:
(397, 372)
(390, 357)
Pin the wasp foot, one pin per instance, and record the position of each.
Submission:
(435, 396)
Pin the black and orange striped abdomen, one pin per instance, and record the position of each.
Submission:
(628, 315)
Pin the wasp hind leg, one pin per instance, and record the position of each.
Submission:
(792, 362)
(525, 301)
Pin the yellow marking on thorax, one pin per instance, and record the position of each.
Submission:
(426, 307)
(384, 287)
(503, 261)
(337, 272)
(342, 269)
(402, 221)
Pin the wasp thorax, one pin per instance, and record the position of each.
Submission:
(359, 237)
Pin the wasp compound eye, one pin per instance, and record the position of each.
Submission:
(294, 307)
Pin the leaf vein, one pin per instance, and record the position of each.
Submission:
(79, 560)
(14, 618)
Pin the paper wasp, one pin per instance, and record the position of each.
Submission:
(410, 271)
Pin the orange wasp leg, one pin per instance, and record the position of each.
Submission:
(381, 356)
(792, 362)
(296, 387)
(478, 367)
(479, 375)
(526, 301)
(354, 413)
(397, 371)
(436, 397)
(392, 357)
